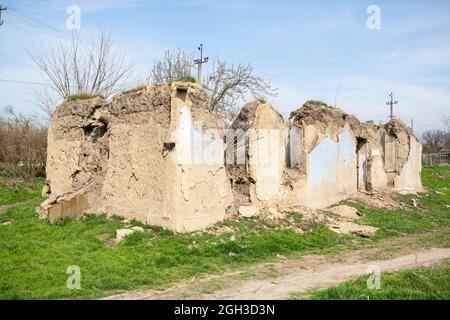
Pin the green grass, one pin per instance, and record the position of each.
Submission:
(10, 195)
(187, 79)
(81, 96)
(35, 255)
(432, 215)
(295, 216)
(317, 103)
(134, 90)
(425, 283)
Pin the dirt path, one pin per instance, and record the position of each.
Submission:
(4, 208)
(301, 275)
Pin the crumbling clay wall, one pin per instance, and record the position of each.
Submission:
(328, 160)
(337, 156)
(370, 165)
(160, 156)
(134, 184)
(403, 155)
(72, 160)
(142, 163)
(259, 133)
(197, 183)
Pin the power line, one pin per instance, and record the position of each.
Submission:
(36, 23)
(24, 82)
(31, 82)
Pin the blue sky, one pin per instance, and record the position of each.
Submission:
(309, 49)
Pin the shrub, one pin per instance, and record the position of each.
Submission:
(23, 149)
(316, 103)
(187, 79)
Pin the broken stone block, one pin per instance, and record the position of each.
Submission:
(67, 208)
(137, 228)
(344, 227)
(345, 212)
(122, 233)
(6, 223)
(248, 211)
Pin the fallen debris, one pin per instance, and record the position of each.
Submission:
(193, 245)
(345, 227)
(6, 223)
(122, 233)
(377, 200)
(248, 211)
(414, 203)
(345, 212)
(274, 214)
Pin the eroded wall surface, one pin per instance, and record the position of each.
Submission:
(70, 157)
(257, 176)
(409, 180)
(199, 189)
(331, 174)
(148, 162)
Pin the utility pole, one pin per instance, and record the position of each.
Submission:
(2, 8)
(392, 103)
(199, 63)
(412, 125)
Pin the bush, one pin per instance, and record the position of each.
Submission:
(23, 149)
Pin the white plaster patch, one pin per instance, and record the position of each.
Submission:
(322, 163)
(267, 151)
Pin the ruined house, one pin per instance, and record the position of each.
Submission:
(160, 156)
(134, 157)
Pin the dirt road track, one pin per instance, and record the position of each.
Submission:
(311, 272)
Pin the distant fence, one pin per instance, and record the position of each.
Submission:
(436, 159)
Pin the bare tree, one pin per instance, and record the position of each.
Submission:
(75, 68)
(434, 140)
(225, 85)
(446, 121)
(44, 99)
(174, 66)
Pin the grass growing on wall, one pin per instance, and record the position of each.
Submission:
(81, 96)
